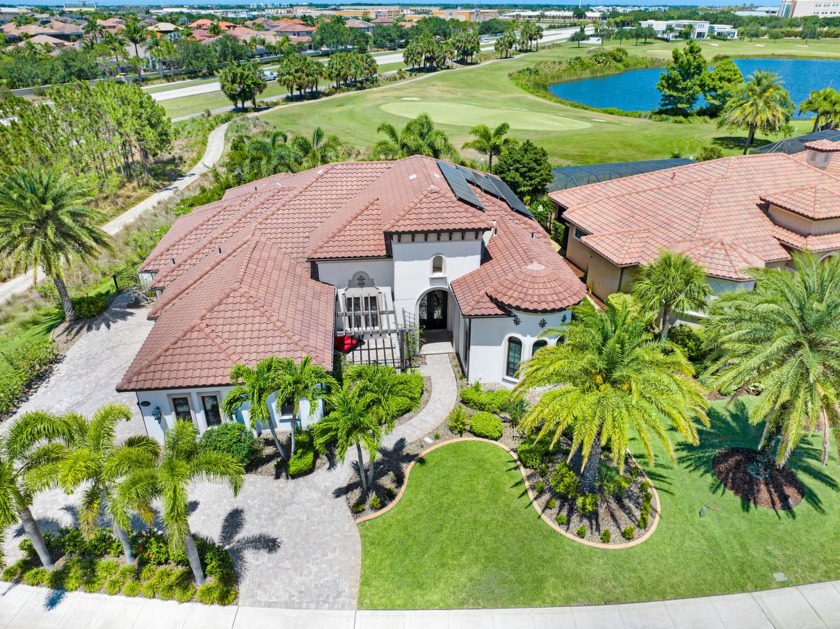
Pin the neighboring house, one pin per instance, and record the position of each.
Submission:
(728, 215)
(384, 21)
(112, 25)
(365, 27)
(53, 29)
(466, 15)
(356, 256)
(45, 40)
(797, 144)
(574, 176)
(292, 30)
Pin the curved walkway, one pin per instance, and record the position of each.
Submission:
(213, 153)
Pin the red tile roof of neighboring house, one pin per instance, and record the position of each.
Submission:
(357, 24)
(383, 20)
(815, 202)
(238, 278)
(285, 27)
(711, 210)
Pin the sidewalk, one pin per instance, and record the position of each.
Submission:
(213, 153)
(802, 607)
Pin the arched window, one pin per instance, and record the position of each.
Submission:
(538, 345)
(438, 265)
(514, 356)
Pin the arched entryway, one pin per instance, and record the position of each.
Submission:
(433, 310)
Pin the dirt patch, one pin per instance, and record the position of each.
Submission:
(755, 477)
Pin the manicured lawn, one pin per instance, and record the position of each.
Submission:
(464, 535)
(459, 99)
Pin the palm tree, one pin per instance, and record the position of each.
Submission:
(418, 137)
(45, 223)
(671, 283)
(115, 44)
(489, 143)
(784, 336)
(268, 156)
(93, 29)
(350, 422)
(214, 29)
(135, 33)
(387, 394)
(825, 103)
(762, 104)
(97, 462)
(181, 463)
(611, 378)
(252, 388)
(29, 452)
(316, 150)
(300, 381)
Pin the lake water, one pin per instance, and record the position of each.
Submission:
(635, 90)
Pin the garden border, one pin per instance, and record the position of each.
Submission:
(648, 533)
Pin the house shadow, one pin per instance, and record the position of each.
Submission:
(730, 428)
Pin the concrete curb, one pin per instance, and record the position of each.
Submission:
(655, 513)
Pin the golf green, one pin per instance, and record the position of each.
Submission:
(463, 115)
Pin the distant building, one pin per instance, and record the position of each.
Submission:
(467, 15)
(670, 30)
(807, 8)
(758, 12)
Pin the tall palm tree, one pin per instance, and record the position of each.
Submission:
(762, 104)
(46, 223)
(301, 381)
(784, 336)
(29, 451)
(489, 143)
(268, 156)
(611, 378)
(135, 33)
(115, 44)
(316, 150)
(252, 386)
(350, 423)
(97, 462)
(671, 283)
(93, 29)
(418, 137)
(825, 103)
(181, 463)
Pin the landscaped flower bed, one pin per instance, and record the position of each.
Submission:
(98, 565)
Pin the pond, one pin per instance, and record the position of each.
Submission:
(635, 90)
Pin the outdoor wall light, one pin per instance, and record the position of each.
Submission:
(157, 414)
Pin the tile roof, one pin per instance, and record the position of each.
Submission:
(814, 202)
(711, 210)
(823, 146)
(237, 277)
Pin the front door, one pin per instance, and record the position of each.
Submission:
(433, 308)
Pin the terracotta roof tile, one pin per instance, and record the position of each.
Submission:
(823, 146)
(815, 202)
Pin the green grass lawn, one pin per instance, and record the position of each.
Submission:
(465, 535)
(459, 99)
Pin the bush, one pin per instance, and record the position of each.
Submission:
(531, 454)
(89, 306)
(234, 439)
(24, 362)
(643, 521)
(14, 571)
(606, 536)
(552, 502)
(562, 518)
(565, 482)
(357, 507)
(689, 340)
(36, 576)
(415, 384)
(495, 402)
(708, 152)
(581, 532)
(213, 593)
(628, 532)
(539, 487)
(644, 486)
(486, 426)
(458, 420)
(610, 482)
(131, 588)
(375, 503)
(542, 470)
(587, 504)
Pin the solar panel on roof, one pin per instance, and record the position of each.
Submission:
(481, 181)
(510, 196)
(458, 184)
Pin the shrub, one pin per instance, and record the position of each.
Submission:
(708, 152)
(647, 499)
(531, 454)
(357, 507)
(606, 536)
(689, 340)
(610, 482)
(486, 425)
(644, 486)
(643, 521)
(543, 469)
(587, 504)
(131, 588)
(628, 532)
(302, 462)
(375, 503)
(36, 576)
(436, 436)
(153, 549)
(458, 420)
(213, 593)
(25, 362)
(562, 518)
(634, 472)
(234, 439)
(113, 585)
(488, 401)
(552, 502)
(564, 481)
(14, 571)
(581, 532)
(89, 306)
(539, 487)
(516, 408)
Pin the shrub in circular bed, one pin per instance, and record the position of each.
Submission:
(486, 426)
(233, 438)
(564, 481)
(531, 454)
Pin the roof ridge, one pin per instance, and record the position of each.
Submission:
(217, 341)
(269, 314)
(425, 192)
(310, 253)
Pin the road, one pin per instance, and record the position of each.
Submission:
(213, 153)
(396, 57)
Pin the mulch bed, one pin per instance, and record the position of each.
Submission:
(754, 477)
(269, 462)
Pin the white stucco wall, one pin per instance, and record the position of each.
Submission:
(413, 265)
(340, 272)
(489, 335)
(161, 400)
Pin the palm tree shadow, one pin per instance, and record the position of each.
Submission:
(730, 428)
(238, 545)
(391, 461)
